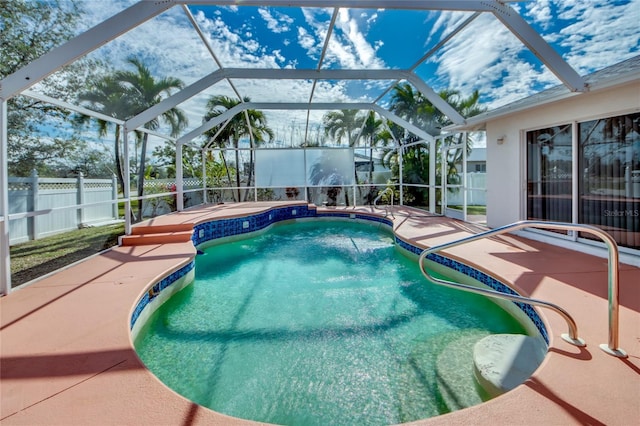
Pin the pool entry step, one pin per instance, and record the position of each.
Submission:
(503, 361)
(158, 234)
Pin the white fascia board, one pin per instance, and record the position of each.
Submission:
(435, 99)
(78, 46)
(539, 47)
(177, 98)
(478, 122)
(457, 5)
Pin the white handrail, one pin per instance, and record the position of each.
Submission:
(613, 277)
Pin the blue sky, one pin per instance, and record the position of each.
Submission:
(484, 56)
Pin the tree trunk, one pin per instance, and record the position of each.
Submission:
(141, 173)
(246, 194)
(226, 167)
(370, 192)
(237, 174)
(119, 171)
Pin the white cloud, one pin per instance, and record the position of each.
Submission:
(279, 24)
(541, 12)
(362, 52)
(278, 55)
(232, 49)
(445, 22)
(348, 46)
(603, 34)
(307, 41)
(485, 56)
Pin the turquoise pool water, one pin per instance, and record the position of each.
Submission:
(317, 323)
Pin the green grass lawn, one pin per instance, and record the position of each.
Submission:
(36, 258)
(475, 210)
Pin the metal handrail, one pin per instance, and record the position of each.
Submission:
(375, 201)
(613, 278)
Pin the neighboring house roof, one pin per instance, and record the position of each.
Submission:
(620, 73)
(363, 155)
(477, 154)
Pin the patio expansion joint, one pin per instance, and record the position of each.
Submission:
(93, 376)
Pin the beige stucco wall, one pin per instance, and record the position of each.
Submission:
(506, 167)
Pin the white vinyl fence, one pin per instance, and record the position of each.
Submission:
(166, 204)
(41, 194)
(476, 191)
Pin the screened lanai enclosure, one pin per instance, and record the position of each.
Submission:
(121, 111)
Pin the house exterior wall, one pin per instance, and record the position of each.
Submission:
(506, 162)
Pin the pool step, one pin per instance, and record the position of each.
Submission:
(158, 234)
(503, 361)
(158, 229)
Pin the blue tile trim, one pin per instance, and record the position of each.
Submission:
(481, 277)
(213, 230)
(222, 228)
(157, 288)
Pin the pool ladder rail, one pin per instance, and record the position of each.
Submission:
(613, 275)
(388, 209)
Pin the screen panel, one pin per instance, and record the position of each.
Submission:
(280, 168)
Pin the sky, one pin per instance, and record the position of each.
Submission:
(483, 56)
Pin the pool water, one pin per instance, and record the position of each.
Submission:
(317, 323)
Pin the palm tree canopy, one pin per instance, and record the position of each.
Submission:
(341, 124)
(417, 109)
(251, 123)
(106, 98)
(372, 128)
(144, 90)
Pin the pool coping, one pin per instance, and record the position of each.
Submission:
(67, 357)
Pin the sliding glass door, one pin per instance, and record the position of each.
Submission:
(549, 180)
(609, 185)
(607, 180)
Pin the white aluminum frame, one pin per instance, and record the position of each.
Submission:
(34, 72)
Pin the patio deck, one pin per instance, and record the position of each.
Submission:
(67, 358)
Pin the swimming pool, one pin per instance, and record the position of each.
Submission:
(317, 323)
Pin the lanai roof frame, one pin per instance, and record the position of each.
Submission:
(22, 80)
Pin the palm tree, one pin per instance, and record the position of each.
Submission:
(251, 123)
(467, 107)
(341, 124)
(415, 108)
(106, 98)
(373, 132)
(143, 91)
(406, 103)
